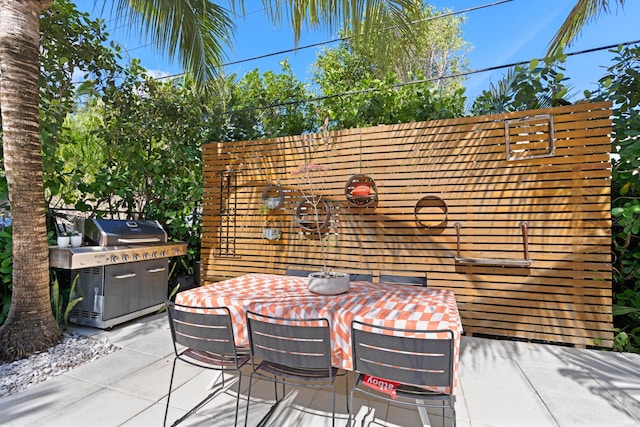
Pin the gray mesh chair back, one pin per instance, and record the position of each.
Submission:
(203, 337)
(395, 279)
(297, 271)
(290, 351)
(361, 277)
(418, 360)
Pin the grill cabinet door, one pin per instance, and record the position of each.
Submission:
(121, 290)
(154, 282)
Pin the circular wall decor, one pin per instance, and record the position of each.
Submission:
(306, 215)
(272, 196)
(431, 212)
(361, 190)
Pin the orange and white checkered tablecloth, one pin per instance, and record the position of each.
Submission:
(395, 306)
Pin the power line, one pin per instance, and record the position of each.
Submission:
(414, 82)
(339, 39)
(368, 90)
(513, 64)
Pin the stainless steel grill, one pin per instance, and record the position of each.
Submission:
(122, 270)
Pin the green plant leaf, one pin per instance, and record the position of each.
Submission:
(533, 64)
(623, 310)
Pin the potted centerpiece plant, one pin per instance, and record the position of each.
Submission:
(310, 180)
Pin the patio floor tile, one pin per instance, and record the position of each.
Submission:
(581, 411)
(154, 416)
(112, 367)
(506, 405)
(105, 408)
(157, 343)
(28, 406)
(501, 384)
(152, 382)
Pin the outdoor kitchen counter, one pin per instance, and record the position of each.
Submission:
(399, 306)
(122, 273)
(96, 256)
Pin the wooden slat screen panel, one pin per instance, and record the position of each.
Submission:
(563, 296)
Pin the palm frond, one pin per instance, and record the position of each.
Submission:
(582, 13)
(360, 17)
(195, 32)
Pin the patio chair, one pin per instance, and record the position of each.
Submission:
(207, 335)
(361, 277)
(296, 271)
(395, 279)
(405, 365)
(290, 351)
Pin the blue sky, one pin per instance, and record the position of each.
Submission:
(514, 31)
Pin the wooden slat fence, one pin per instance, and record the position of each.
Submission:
(451, 204)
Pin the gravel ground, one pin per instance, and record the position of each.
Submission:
(73, 350)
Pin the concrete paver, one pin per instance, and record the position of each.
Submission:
(501, 384)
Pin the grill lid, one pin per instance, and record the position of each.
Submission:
(110, 232)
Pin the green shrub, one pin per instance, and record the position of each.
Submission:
(61, 302)
(6, 272)
(620, 86)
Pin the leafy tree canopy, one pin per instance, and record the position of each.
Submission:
(435, 51)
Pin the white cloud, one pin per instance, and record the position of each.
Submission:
(156, 74)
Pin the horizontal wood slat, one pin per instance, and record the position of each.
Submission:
(562, 293)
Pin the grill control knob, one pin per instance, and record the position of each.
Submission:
(114, 258)
(145, 255)
(125, 258)
(155, 254)
(135, 257)
(163, 253)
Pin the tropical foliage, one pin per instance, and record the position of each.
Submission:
(582, 13)
(620, 85)
(143, 158)
(63, 302)
(371, 100)
(538, 85)
(196, 31)
(259, 106)
(6, 270)
(436, 50)
(70, 41)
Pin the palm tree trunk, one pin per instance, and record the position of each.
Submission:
(30, 325)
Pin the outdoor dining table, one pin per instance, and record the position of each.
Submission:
(398, 306)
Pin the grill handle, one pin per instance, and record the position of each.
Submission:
(125, 276)
(147, 240)
(156, 270)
